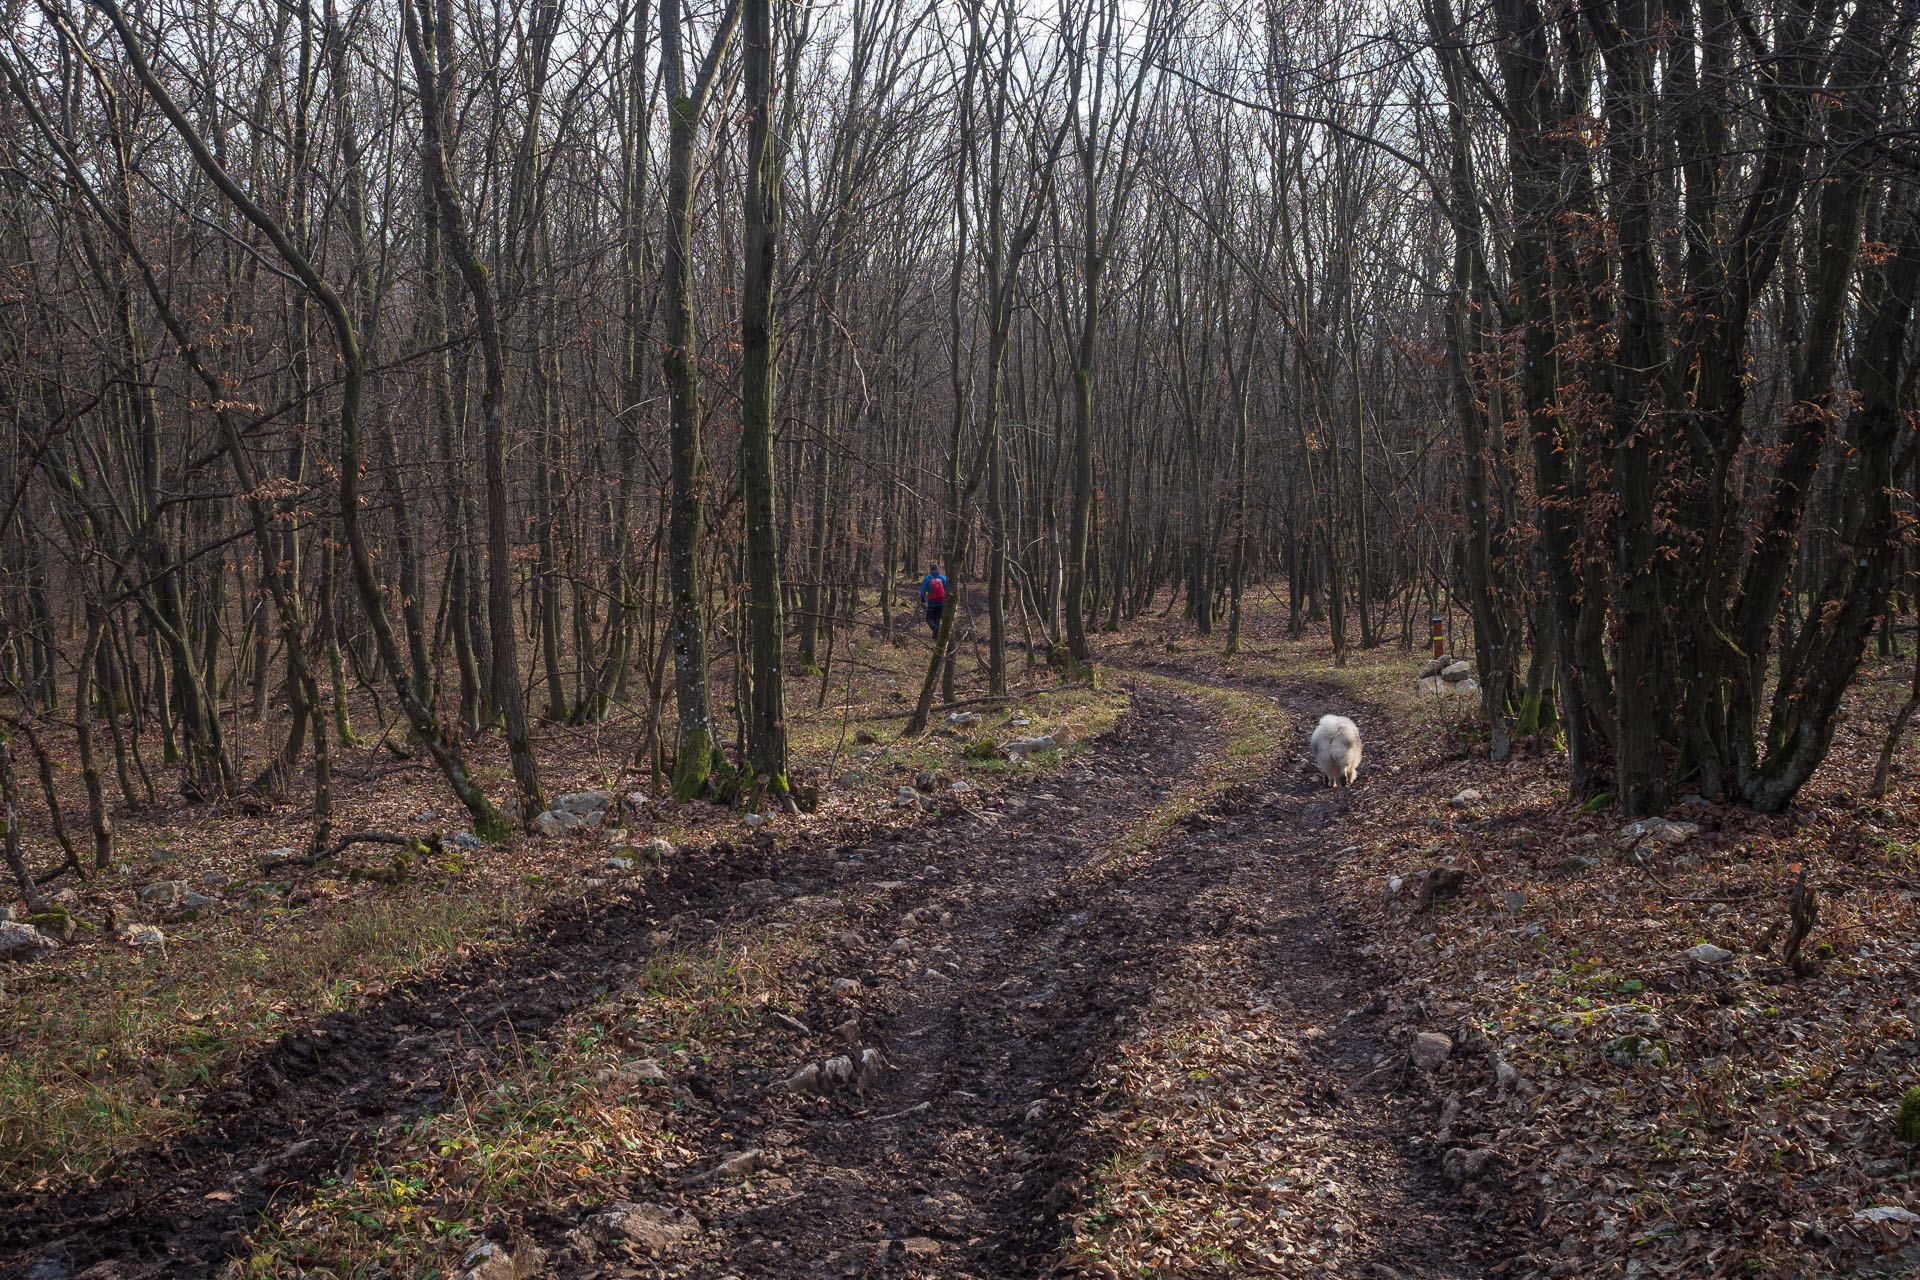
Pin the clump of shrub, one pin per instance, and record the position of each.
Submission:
(1907, 1124)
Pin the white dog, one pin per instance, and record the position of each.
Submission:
(1336, 749)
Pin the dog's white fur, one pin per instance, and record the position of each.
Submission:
(1336, 749)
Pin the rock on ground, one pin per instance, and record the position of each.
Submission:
(1644, 831)
(582, 803)
(488, 1261)
(652, 1228)
(1430, 1049)
(24, 942)
(174, 893)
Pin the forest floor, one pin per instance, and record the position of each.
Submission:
(1146, 1005)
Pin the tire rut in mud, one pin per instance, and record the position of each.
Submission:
(306, 1106)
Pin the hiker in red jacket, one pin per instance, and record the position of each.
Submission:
(933, 594)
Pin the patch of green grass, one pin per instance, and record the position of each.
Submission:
(110, 1056)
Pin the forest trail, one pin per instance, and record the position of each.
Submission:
(1037, 930)
(964, 1161)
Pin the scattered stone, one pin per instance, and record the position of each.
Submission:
(1707, 953)
(906, 798)
(1435, 666)
(175, 895)
(754, 820)
(1438, 884)
(555, 822)
(1462, 1165)
(855, 778)
(1465, 799)
(1887, 1213)
(582, 803)
(56, 924)
(961, 719)
(1632, 1050)
(283, 854)
(1455, 672)
(641, 1071)
(1022, 747)
(660, 849)
(1642, 832)
(24, 942)
(652, 1228)
(488, 1261)
(618, 863)
(921, 1247)
(1430, 1049)
(1449, 1112)
(844, 986)
(636, 799)
(467, 840)
(964, 788)
(738, 1164)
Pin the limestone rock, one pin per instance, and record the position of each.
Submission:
(1021, 747)
(582, 803)
(1430, 1050)
(557, 822)
(1465, 799)
(1463, 1165)
(652, 1228)
(175, 895)
(1455, 672)
(1707, 953)
(1643, 833)
(24, 942)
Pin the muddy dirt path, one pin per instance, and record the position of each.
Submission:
(999, 984)
(1029, 951)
